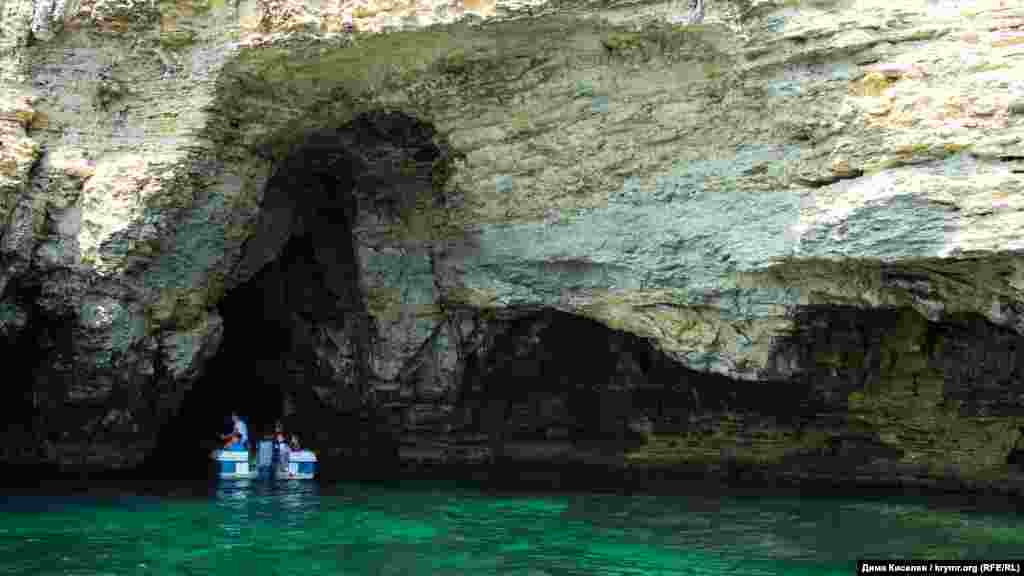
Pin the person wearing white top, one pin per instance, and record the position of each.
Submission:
(240, 432)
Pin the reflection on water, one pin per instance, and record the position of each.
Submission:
(284, 505)
(296, 527)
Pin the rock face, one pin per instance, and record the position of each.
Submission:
(740, 233)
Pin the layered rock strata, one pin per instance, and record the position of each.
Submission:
(820, 198)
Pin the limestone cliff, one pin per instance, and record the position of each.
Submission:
(795, 225)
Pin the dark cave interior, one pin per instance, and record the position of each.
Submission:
(33, 348)
(305, 275)
(246, 376)
(587, 382)
(264, 355)
(264, 352)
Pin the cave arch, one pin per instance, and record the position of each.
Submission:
(299, 284)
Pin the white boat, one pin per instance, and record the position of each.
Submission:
(240, 464)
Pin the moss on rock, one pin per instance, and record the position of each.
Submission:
(177, 39)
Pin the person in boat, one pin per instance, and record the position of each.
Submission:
(265, 455)
(239, 436)
(282, 451)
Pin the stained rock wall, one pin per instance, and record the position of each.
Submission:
(697, 185)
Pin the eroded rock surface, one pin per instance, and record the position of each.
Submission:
(824, 196)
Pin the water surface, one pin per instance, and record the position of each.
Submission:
(243, 527)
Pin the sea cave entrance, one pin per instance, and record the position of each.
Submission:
(300, 285)
(255, 371)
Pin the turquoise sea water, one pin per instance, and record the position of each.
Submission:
(247, 528)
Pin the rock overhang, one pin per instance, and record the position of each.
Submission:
(319, 83)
